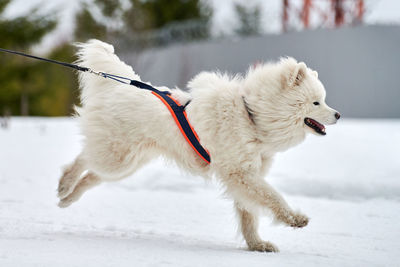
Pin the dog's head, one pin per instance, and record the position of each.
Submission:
(287, 100)
(303, 87)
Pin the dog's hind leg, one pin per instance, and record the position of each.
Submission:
(88, 181)
(248, 223)
(70, 177)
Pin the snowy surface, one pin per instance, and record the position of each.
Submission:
(347, 182)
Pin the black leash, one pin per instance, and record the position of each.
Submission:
(47, 60)
(84, 69)
(177, 110)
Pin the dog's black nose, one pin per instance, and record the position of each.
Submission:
(337, 115)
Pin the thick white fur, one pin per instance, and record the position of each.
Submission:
(242, 121)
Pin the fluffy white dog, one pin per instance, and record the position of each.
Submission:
(241, 121)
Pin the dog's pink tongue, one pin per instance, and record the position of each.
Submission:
(320, 126)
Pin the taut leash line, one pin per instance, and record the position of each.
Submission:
(46, 59)
(73, 66)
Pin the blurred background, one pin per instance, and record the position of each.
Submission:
(353, 44)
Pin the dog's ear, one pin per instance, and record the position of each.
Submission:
(293, 72)
(315, 74)
(298, 74)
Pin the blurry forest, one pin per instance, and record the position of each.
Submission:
(30, 87)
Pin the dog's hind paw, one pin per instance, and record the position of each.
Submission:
(64, 203)
(263, 246)
(63, 191)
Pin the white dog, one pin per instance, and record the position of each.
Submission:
(242, 122)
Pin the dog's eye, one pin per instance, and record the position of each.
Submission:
(316, 103)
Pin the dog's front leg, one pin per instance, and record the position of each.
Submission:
(248, 223)
(253, 194)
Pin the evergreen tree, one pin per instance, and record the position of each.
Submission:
(167, 21)
(155, 14)
(141, 17)
(250, 20)
(16, 73)
(88, 28)
(58, 85)
(109, 8)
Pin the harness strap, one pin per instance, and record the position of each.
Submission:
(179, 114)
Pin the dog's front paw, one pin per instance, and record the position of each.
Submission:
(263, 246)
(298, 220)
(293, 219)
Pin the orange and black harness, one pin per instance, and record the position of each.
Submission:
(179, 114)
(175, 108)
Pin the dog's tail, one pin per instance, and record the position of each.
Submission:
(99, 56)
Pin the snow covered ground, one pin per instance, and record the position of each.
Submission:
(347, 182)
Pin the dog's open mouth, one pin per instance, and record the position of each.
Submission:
(315, 125)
